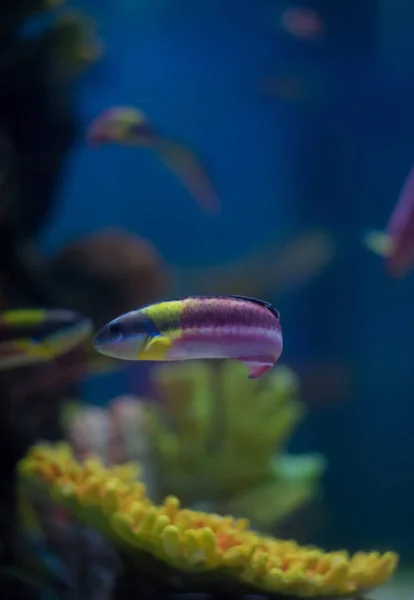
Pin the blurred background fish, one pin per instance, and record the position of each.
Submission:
(73, 367)
(30, 335)
(396, 245)
(302, 22)
(275, 269)
(130, 126)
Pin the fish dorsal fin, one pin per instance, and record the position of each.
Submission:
(263, 303)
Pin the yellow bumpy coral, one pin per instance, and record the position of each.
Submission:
(215, 428)
(113, 501)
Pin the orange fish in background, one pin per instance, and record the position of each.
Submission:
(130, 126)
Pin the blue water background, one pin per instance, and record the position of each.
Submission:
(195, 68)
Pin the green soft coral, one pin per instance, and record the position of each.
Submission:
(218, 438)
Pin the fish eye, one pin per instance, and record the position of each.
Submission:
(115, 328)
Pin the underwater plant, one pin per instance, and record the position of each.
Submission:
(211, 439)
(191, 550)
(219, 440)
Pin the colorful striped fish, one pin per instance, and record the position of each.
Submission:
(198, 327)
(30, 336)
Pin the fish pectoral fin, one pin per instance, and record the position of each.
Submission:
(157, 347)
(379, 242)
(256, 370)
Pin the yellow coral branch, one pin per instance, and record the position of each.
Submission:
(194, 541)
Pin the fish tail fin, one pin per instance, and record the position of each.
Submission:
(378, 242)
(176, 157)
(167, 149)
(187, 167)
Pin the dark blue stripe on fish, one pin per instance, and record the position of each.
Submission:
(128, 325)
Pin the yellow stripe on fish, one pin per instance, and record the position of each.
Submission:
(27, 316)
(165, 313)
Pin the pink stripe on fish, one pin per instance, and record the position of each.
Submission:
(226, 311)
(241, 332)
(233, 336)
(229, 342)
